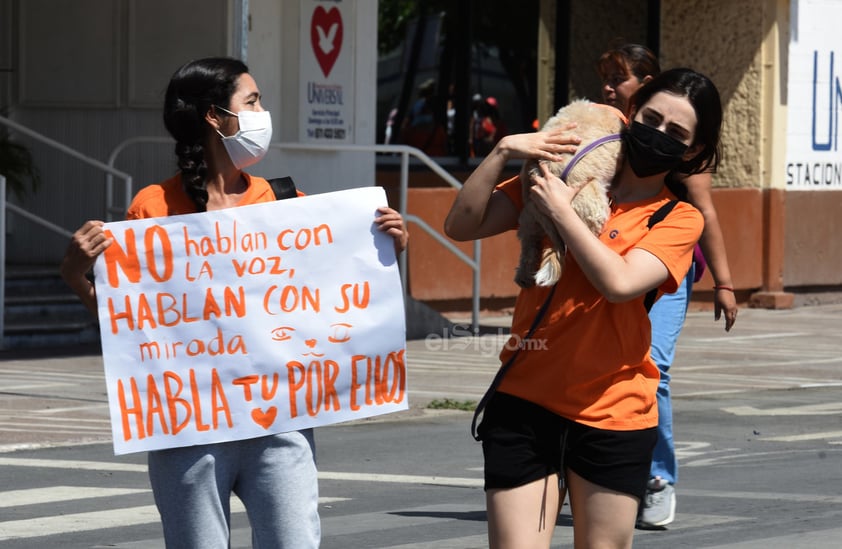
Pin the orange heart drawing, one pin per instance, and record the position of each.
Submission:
(264, 419)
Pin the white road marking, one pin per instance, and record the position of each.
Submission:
(403, 479)
(734, 339)
(77, 522)
(73, 464)
(323, 475)
(85, 521)
(35, 496)
(822, 409)
(803, 437)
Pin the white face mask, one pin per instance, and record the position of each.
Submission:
(250, 143)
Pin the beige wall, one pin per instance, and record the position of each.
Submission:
(723, 39)
(591, 33)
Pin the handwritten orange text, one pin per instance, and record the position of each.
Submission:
(172, 403)
(164, 309)
(305, 237)
(380, 379)
(126, 258)
(359, 298)
(220, 243)
(290, 298)
(316, 380)
(215, 346)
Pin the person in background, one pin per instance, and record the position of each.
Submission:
(573, 406)
(212, 109)
(390, 123)
(424, 127)
(623, 70)
(487, 127)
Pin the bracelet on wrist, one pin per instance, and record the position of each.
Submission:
(729, 288)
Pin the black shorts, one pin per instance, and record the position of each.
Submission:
(522, 442)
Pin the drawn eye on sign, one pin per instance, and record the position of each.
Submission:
(338, 332)
(326, 37)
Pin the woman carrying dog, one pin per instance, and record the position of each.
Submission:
(622, 71)
(576, 407)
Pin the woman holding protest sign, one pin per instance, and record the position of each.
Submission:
(212, 109)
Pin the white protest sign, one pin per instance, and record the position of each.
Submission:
(247, 321)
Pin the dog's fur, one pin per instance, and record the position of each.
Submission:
(592, 174)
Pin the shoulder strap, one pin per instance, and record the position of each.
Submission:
(659, 215)
(498, 378)
(283, 187)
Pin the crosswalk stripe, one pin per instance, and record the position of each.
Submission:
(25, 426)
(323, 475)
(89, 520)
(52, 494)
(77, 522)
(73, 464)
(803, 437)
(403, 479)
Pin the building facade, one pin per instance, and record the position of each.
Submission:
(90, 74)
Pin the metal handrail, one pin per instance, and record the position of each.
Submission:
(107, 168)
(405, 152)
(109, 180)
(5, 205)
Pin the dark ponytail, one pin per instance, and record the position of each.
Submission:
(192, 91)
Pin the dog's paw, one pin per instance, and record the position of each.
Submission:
(548, 274)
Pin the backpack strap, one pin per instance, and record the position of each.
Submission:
(659, 215)
(283, 187)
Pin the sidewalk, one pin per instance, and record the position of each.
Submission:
(46, 390)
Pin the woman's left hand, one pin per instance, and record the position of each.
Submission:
(725, 301)
(391, 222)
(549, 192)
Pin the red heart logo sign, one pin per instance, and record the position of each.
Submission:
(326, 36)
(264, 419)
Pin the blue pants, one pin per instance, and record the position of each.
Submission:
(667, 318)
(274, 476)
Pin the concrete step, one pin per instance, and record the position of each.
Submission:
(41, 311)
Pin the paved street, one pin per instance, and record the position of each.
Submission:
(758, 425)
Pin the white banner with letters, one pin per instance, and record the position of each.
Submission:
(247, 321)
(326, 71)
(814, 97)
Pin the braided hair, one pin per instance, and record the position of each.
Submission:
(192, 91)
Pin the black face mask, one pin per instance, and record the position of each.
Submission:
(651, 151)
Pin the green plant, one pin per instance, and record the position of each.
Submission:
(450, 404)
(18, 166)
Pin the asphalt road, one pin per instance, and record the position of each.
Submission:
(758, 423)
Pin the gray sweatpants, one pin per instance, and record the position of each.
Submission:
(274, 476)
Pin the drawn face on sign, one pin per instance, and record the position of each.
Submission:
(326, 36)
(338, 333)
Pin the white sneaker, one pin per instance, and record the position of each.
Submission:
(658, 505)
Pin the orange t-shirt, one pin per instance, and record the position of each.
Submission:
(170, 198)
(588, 360)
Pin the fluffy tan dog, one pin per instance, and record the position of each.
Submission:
(591, 169)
